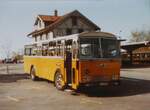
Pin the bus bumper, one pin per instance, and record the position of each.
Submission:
(102, 83)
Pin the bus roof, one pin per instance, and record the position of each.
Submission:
(85, 34)
(76, 36)
(96, 34)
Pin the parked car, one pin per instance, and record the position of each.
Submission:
(10, 60)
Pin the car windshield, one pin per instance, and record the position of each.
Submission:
(98, 48)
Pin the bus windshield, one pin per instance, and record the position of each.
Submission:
(99, 48)
(89, 48)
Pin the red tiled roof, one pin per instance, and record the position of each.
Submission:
(49, 18)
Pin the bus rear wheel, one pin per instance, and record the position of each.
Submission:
(58, 81)
(32, 74)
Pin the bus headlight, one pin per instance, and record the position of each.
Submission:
(115, 77)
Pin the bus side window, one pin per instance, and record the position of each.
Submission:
(54, 49)
(50, 49)
(25, 51)
(74, 50)
(45, 49)
(68, 45)
(58, 48)
(28, 51)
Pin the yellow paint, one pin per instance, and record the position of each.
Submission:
(46, 67)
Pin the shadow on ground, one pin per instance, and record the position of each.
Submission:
(128, 87)
(8, 78)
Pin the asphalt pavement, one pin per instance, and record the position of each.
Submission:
(18, 92)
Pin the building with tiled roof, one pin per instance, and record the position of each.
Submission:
(52, 26)
(136, 52)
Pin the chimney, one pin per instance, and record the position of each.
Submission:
(55, 13)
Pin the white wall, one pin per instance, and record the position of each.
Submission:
(61, 29)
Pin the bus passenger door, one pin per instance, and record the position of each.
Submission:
(68, 65)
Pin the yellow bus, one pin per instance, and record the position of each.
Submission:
(89, 58)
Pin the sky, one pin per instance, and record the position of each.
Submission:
(120, 17)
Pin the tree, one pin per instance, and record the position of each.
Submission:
(6, 49)
(17, 55)
(143, 35)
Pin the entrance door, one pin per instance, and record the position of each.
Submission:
(68, 63)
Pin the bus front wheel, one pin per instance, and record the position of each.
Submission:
(32, 74)
(58, 81)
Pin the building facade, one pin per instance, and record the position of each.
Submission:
(51, 26)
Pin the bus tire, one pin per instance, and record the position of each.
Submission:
(33, 74)
(58, 81)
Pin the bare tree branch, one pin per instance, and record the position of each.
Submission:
(143, 35)
(6, 49)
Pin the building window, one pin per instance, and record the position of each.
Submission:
(74, 20)
(68, 31)
(80, 30)
(35, 39)
(46, 36)
(40, 37)
(39, 23)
